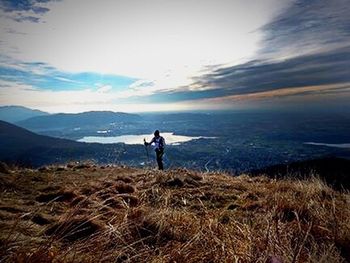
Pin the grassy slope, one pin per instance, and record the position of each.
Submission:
(120, 214)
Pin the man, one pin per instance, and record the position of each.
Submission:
(159, 144)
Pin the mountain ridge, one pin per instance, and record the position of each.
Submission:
(23, 147)
(76, 120)
(15, 114)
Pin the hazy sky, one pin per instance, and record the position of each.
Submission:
(147, 55)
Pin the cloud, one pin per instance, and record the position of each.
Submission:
(76, 100)
(288, 92)
(257, 76)
(312, 97)
(253, 77)
(104, 89)
(24, 10)
(43, 76)
(307, 27)
(23, 5)
(55, 100)
(141, 39)
(306, 45)
(22, 18)
(175, 51)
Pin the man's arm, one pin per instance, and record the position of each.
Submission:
(149, 143)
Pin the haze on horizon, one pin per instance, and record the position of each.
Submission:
(161, 55)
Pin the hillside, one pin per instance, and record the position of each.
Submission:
(76, 120)
(89, 213)
(21, 146)
(14, 114)
(334, 171)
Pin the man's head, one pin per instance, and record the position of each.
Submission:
(156, 133)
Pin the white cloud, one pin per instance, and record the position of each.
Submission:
(76, 101)
(17, 93)
(104, 89)
(166, 42)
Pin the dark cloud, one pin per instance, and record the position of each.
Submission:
(332, 67)
(23, 5)
(18, 9)
(40, 10)
(258, 76)
(317, 31)
(308, 25)
(22, 18)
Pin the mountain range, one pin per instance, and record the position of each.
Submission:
(14, 114)
(76, 120)
(22, 147)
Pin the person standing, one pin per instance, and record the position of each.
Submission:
(159, 144)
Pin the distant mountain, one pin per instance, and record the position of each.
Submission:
(184, 116)
(335, 171)
(23, 147)
(77, 120)
(14, 114)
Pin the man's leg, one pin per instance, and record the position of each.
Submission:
(159, 154)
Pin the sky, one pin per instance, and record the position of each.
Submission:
(162, 55)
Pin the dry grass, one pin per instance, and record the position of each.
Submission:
(119, 214)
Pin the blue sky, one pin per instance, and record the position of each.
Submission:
(75, 55)
(47, 78)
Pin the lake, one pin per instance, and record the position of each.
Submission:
(170, 138)
(334, 145)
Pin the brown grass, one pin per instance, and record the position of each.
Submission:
(4, 168)
(74, 229)
(123, 188)
(120, 214)
(60, 196)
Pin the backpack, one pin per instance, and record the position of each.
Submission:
(160, 142)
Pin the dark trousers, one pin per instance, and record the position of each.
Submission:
(159, 155)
